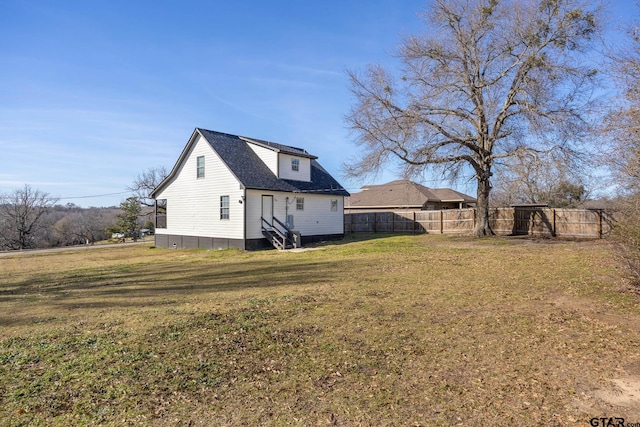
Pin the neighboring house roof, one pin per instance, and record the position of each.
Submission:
(251, 172)
(404, 194)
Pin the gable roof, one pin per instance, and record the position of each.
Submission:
(405, 194)
(251, 171)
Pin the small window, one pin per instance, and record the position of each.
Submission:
(161, 213)
(200, 173)
(224, 207)
(334, 205)
(299, 203)
(295, 165)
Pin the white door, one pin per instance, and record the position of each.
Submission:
(267, 211)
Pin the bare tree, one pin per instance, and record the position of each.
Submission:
(146, 182)
(491, 79)
(20, 215)
(622, 126)
(83, 227)
(622, 123)
(536, 179)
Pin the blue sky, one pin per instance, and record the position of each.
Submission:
(93, 93)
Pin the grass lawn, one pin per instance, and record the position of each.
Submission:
(384, 330)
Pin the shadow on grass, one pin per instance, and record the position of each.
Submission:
(161, 283)
(359, 237)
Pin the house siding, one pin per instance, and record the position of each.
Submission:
(316, 219)
(302, 174)
(268, 156)
(193, 204)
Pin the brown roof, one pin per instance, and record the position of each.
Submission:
(403, 194)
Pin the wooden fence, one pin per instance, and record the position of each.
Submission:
(575, 223)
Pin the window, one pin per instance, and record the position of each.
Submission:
(334, 205)
(161, 213)
(299, 203)
(200, 171)
(224, 207)
(295, 165)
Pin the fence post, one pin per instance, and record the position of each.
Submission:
(475, 212)
(553, 230)
(599, 223)
(441, 222)
(414, 222)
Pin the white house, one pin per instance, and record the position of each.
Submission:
(228, 191)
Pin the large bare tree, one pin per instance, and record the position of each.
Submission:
(622, 127)
(21, 212)
(490, 79)
(622, 123)
(146, 182)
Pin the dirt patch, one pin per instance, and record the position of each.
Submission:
(620, 399)
(620, 396)
(624, 392)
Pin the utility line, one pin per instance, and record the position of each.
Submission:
(97, 195)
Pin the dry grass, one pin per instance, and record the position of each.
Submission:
(402, 330)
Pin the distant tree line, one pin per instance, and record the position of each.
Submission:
(30, 219)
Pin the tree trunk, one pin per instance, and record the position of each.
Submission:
(482, 208)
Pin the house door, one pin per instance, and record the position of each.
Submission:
(267, 211)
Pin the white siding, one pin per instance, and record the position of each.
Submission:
(269, 157)
(316, 218)
(304, 170)
(193, 204)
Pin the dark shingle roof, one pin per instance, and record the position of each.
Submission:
(279, 147)
(253, 173)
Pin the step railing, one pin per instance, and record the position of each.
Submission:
(280, 235)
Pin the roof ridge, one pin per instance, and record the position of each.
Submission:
(250, 170)
(264, 141)
(217, 132)
(276, 146)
